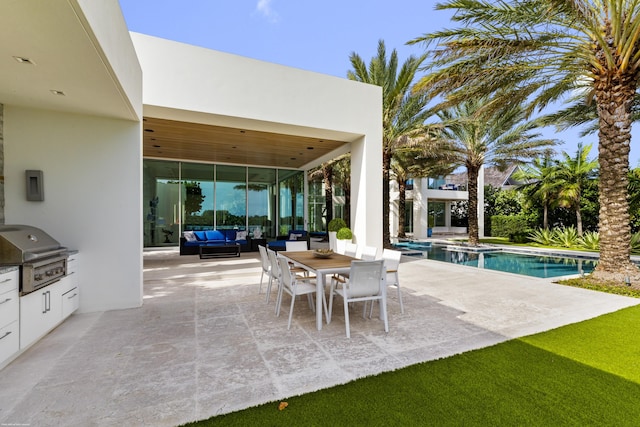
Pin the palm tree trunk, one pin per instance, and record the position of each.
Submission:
(472, 187)
(386, 170)
(579, 220)
(614, 100)
(545, 216)
(327, 173)
(402, 204)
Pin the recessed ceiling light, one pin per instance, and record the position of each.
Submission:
(149, 130)
(241, 131)
(309, 148)
(293, 158)
(57, 92)
(24, 60)
(156, 146)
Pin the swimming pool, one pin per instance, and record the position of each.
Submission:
(528, 265)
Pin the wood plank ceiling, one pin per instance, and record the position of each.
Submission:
(168, 139)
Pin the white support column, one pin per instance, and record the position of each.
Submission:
(366, 197)
(305, 200)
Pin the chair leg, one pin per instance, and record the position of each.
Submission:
(399, 293)
(293, 301)
(269, 288)
(383, 309)
(346, 317)
(330, 303)
(279, 300)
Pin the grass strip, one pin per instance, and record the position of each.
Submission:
(578, 375)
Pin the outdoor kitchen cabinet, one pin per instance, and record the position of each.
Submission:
(9, 315)
(44, 309)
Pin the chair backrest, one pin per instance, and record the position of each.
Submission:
(365, 278)
(369, 253)
(351, 249)
(273, 260)
(264, 258)
(296, 245)
(391, 259)
(286, 276)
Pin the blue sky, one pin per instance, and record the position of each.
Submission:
(311, 35)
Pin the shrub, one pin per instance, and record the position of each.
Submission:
(635, 242)
(542, 236)
(344, 234)
(336, 224)
(590, 240)
(566, 236)
(511, 226)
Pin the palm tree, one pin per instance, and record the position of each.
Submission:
(545, 50)
(572, 174)
(403, 110)
(473, 136)
(539, 179)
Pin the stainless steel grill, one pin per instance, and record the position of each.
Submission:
(41, 258)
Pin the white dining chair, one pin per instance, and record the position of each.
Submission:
(294, 286)
(392, 263)
(368, 253)
(366, 283)
(295, 245)
(265, 264)
(274, 272)
(351, 249)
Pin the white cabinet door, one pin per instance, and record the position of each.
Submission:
(40, 311)
(9, 341)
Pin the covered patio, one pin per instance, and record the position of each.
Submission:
(205, 342)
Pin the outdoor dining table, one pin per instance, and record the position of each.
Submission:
(321, 267)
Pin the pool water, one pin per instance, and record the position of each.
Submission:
(528, 265)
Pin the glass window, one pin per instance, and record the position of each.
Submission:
(291, 192)
(197, 192)
(231, 197)
(261, 201)
(161, 195)
(436, 211)
(316, 206)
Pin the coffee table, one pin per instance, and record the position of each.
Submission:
(219, 250)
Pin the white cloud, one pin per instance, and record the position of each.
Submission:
(264, 7)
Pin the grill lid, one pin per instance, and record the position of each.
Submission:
(23, 243)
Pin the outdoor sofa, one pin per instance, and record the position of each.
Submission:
(191, 241)
(280, 244)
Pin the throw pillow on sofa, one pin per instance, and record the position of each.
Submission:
(295, 236)
(214, 235)
(189, 236)
(241, 235)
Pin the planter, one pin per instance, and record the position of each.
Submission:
(332, 241)
(341, 245)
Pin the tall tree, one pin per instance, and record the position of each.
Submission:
(403, 110)
(571, 175)
(545, 50)
(539, 180)
(472, 136)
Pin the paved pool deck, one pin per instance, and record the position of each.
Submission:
(206, 343)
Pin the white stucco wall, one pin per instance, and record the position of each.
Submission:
(92, 184)
(190, 83)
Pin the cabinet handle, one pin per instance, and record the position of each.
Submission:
(6, 334)
(48, 300)
(74, 295)
(7, 300)
(69, 273)
(6, 280)
(44, 300)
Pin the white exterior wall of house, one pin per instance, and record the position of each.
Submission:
(92, 186)
(87, 143)
(190, 83)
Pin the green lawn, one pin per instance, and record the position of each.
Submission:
(586, 374)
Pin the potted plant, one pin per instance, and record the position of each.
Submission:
(334, 225)
(343, 236)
